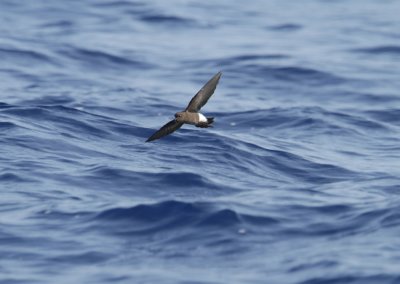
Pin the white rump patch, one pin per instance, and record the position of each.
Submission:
(202, 118)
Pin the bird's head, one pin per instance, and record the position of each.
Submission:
(178, 116)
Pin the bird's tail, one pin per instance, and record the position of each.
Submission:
(206, 124)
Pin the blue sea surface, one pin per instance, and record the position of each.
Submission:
(297, 182)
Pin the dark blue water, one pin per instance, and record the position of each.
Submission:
(297, 182)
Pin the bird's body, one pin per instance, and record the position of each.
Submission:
(191, 114)
(190, 117)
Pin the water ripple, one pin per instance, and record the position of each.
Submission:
(296, 182)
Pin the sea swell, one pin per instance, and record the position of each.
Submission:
(296, 182)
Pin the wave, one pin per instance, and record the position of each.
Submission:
(22, 56)
(5, 125)
(176, 215)
(249, 158)
(303, 154)
(354, 278)
(295, 74)
(316, 120)
(103, 59)
(179, 223)
(147, 183)
(270, 73)
(391, 116)
(165, 19)
(230, 64)
(288, 27)
(120, 3)
(379, 50)
(9, 177)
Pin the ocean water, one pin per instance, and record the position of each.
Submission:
(297, 182)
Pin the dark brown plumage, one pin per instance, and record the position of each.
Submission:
(191, 114)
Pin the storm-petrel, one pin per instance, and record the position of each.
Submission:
(191, 114)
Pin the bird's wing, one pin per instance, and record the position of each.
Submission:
(202, 96)
(165, 130)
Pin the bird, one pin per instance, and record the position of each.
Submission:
(191, 115)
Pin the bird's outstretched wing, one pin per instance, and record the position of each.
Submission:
(165, 130)
(202, 96)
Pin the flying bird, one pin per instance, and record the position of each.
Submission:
(191, 114)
